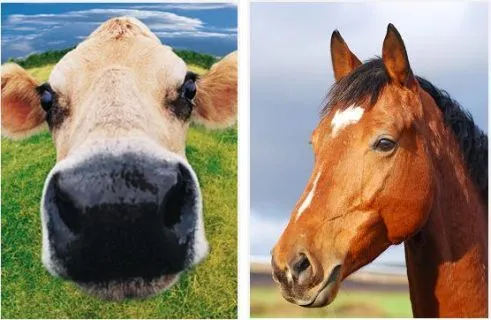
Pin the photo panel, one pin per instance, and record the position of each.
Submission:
(369, 176)
(119, 160)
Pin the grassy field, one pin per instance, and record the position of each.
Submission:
(28, 291)
(267, 302)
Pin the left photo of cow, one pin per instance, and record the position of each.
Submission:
(119, 160)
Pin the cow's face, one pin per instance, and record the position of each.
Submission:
(121, 209)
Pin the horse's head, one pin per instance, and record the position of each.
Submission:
(371, 185)
(121, 209)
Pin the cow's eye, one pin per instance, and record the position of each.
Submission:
(48, 99)
(183, 105)
(46, 96)
(188, 89)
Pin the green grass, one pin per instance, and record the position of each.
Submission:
(267, 302)
(209, 290)
(52, 56)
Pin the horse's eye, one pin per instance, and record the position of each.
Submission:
(384, 145)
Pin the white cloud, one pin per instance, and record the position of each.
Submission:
(188, 6)
(42, 19)
(230, 30)
(169, 18)
(179, 21)
(23, 29)
(164, 24)
(56, 42)
(21, 46)
(22, 37)
(12, 39)
(194, 34)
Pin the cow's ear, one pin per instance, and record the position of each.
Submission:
(22, 114)
(216, 97)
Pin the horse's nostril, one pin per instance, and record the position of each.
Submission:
(335, 274)
(300, 265)
(67, 210)
(278, 273)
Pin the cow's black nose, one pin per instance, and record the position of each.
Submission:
(124, 216)
(85, 197)
(66, 205)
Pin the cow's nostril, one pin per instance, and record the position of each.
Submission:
(179, 199)
(67, 210)
(300, 265)
(171, 206)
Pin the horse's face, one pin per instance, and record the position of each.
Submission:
(121, 209)
(370, 187)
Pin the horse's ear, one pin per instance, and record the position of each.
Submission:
(395, 59)
(343, 60)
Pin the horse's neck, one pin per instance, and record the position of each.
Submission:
(447, 259)
(447, 269)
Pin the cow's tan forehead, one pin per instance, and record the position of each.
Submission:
(123, 26)
(119, 43)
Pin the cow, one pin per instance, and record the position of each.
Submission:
(121, 210)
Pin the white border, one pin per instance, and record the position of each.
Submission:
(243, 288)
(243, 12)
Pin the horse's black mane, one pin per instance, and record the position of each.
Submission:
(368, 80)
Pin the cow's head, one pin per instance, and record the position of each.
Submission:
(121, 209)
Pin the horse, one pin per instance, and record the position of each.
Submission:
(121, 210)
(396, 161)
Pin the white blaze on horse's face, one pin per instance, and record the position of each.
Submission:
(122, 208)
(308, 199)
(341, 119)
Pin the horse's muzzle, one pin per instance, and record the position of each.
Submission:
(302, 281)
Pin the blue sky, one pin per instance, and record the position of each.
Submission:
(27, 28)
(291, 73)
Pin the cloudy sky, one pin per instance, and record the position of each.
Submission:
(28, 28)
(291, 73)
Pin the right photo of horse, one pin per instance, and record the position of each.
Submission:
(369, 159)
